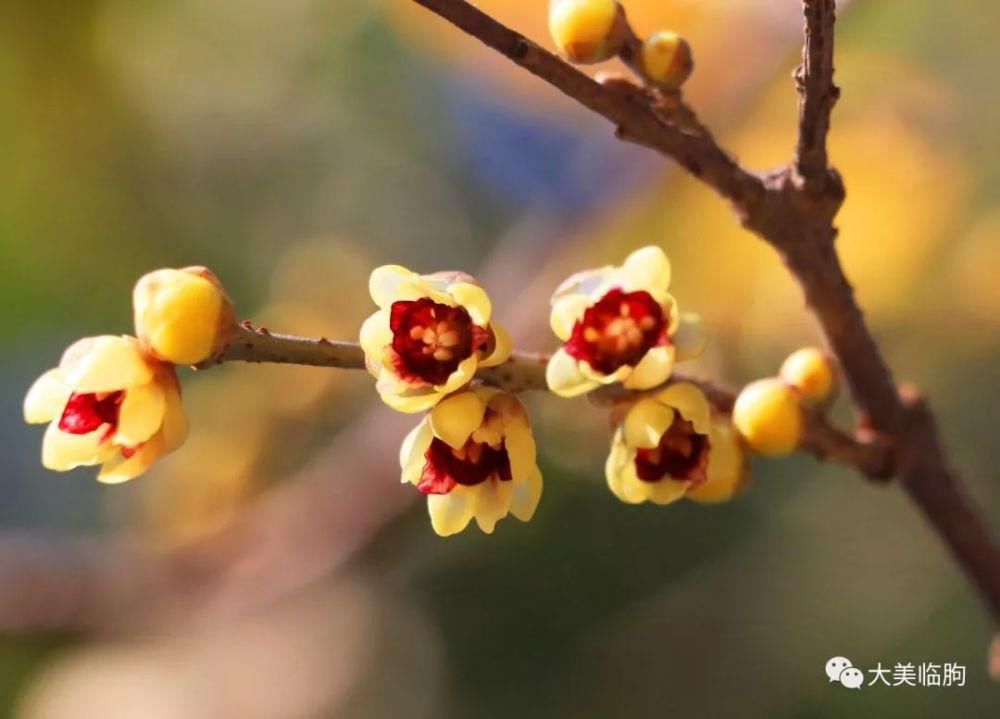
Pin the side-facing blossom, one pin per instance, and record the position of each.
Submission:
(107, 403)
(429, 336)
(619, 324)
(474, 457)
(668, 446)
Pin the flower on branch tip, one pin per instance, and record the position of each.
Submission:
(669, 446)
(474, 457)
(183, 316)
(667, 60)
(429, 337)
(812, 372)
(768, 416)
(107, 403)
(587, 31)
(619, 324)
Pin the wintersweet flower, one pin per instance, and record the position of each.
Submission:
(619, 324)
(474, 457)
(668, 447)
(183, 316)
(107, 403)
(429, 337)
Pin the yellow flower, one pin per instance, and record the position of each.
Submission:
(474, 457)
(619, 324)
(430, 335)
(107, 403)
(812, 372)
(183, 316)
(668, 447)
(768, 416)
(586, 31)
(666, 58)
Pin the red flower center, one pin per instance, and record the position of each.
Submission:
(430, 339)
(473, 464)
(682, 454)
(86, 413)
(618, 330)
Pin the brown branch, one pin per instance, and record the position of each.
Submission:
(636, 118)
(793, 209)
(817, 92)
(525, 372)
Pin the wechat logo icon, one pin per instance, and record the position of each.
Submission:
(840, 669)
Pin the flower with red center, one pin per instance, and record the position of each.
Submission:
(107, 403)
(619, 324)
(669, 446)
(474, 457)
(429, 337)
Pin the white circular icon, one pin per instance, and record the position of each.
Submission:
(852, 678)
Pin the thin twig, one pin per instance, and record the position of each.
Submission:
(817, 92)
(525, 372)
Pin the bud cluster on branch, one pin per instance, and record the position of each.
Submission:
(433, 347)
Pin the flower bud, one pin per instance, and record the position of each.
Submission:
(183, 316)
(666, 58)
(812, 372)
(586, 31)
(768, 416)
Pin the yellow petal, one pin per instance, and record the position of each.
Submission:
(120, 469)
(474, 299)
(175, 425)
(391, 283)
(520, 444)
(526, 495)
(413, 449)
(646, 422)
(141, 414)
(47, 397)
(412, 403)
(493, 499)
(564, 377)
(110, 364)
(689, 340)
(666, 491)
(591, 283)
(502, 348)
(451, 513)
(62, 451)
(375, 336)
(727, 472)
(653, 369)
(462, 375)
(455, 419)
(647, 268)
(691, 402)
(631, 489)
(566, 312)
(76, 351)
(614, 467)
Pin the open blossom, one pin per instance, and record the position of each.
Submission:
(107, 403)
(619, 324)
(474, 457)
(430, 335)
(668, 446)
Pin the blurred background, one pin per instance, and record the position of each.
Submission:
(273, 567)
